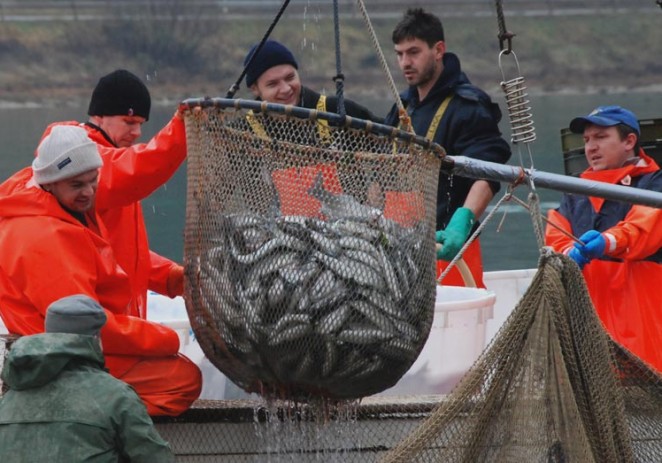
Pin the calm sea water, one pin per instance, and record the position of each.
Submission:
(508, 241)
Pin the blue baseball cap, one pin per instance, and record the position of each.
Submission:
(606, 116)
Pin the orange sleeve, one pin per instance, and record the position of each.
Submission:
(131, 174)
(638, 235)
(166, 277)
(555, 237)
(127, 335)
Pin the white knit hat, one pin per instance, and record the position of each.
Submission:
(65, 153)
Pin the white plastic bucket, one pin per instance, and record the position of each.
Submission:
(456, 340)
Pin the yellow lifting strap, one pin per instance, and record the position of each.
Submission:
(434, 124)
(322, 124)
(257, 128)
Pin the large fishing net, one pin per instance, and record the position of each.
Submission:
(309, 247)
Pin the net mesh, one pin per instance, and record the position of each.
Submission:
(309, 248)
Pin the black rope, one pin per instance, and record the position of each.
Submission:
(237, 84)
(504, 35)
(339, 79)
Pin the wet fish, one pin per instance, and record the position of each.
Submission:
(337, 206)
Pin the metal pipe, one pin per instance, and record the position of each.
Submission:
(474, 168)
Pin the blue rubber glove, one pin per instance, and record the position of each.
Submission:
(457, 231)
(579, 258)
(594, 244)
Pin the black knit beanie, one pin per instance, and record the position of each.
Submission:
(120, 93)
(272, 54)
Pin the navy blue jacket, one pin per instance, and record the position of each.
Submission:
(468, 128)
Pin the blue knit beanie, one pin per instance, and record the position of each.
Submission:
(272, 54)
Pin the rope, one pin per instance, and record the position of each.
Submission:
(547, 221)
(404, 117)
(504, 35)
(237, 84)
(339, 78)
(536, 218)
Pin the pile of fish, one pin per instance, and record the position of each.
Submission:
(339, 307)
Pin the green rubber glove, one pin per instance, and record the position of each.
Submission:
(457, 231)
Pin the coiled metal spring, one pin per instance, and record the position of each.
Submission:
(519, 109)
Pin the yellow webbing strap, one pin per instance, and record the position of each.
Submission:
(257, 128)
(437, 117)
(434, 124)
(323, 125)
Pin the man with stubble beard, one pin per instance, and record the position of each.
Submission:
(446, 108)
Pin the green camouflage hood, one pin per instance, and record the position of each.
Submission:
(35, 360)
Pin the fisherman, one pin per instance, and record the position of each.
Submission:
(446, 108)
(621, 244)
(63, 406)
(119, 106)
(273, 76)
(53, 245)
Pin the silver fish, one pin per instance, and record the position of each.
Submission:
(337, 206)
(334, 320)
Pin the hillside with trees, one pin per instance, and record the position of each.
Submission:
(184, 49)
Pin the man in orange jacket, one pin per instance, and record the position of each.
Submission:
(53, 246)
(119, 105)
(620, 252)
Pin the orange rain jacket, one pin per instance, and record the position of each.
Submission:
(129, 175)
(46, 254)
(623, 284)
(167, 383)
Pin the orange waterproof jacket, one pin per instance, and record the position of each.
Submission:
(622, 284)
(129, 175)
(46, 254)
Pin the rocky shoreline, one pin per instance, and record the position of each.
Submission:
(51, 63)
